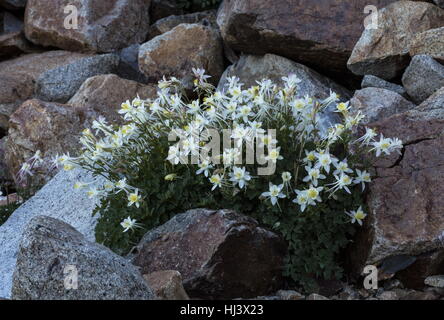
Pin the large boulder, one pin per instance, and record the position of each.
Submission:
(104, 95)
(252, 68)
(370, 81)
(384, 51)
(405, 209)
(177, 51)
(316, 33)
(377, 104)
(423, 77)
(430, 42)
(220, 254)
(52, 255)
(54, 71)
(103, 26)
(61, 83)
(51, 128)
(56, 199)
(166, 24)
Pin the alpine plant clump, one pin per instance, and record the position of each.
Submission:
(293, 162)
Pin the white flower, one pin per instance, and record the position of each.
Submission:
(92, 193)
(324, 161)
(216, 180)
(341, 167)
(204, 167)
(343, 107)
(382, 146)
(396, 145)
(313, 195)
(274, 155)
(122, 185)
(134, 198)
(25, 170)
(357, 216)
(301, 199)
(129, 224)
(314, 174)
(286, 177)
(274, 193)
(362, 178)
(310, 156)
(240, 176)
(342, 182)
(367, 137)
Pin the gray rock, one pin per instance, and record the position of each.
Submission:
(375, 82)
(61, 83)
(220, 254)
(435, 281)
(51, 251)
(439, 3)
(128, 67)
(10, 23)
(57, 199)
(377, 104)
(423, 77)
(430, 42)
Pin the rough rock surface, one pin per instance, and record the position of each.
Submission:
(384, 52)
(430, 42)
(18, 78)
(405, 215)
(50, 250)
(251, 68)
(57, 199)
(318, 33)
(423, 77)
(104, 95)
(49, 127)
(167, 285)
(377, 104)
(435, 281)
(103, 26)
(128, 67)
(177, 51)
(14, 44)
(61, 83)
(370, 81)
(215, 251)
(166, 24)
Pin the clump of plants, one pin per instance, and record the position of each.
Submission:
(264, 151)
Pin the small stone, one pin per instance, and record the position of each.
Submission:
(388, 295)
(167, 285)
(289, 295)
(375, 82)
(435, 281)
(315, 296)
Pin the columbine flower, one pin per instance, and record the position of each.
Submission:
(342, 107)
(122, 185)
(309, 156)
(301, 199)
(134, 198)
(286, 177)
(314, 174)
(274, 193)
(129, 224)
(313, 194)
(367, 137)
(25, 170)
(341, 167)
(240, 176)
(324, 161)
(362, 178)
(382, 146)
(274, 155)
(341, 183)
(216, 180)
(357, 216)
(396, 145)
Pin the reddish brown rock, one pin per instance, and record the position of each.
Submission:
(103, 26)
(178, 51)
(318, 33)
(49, 127)
(220, 254)
(167, 285)
(104, 95)
(405, 209)
(384, 51)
